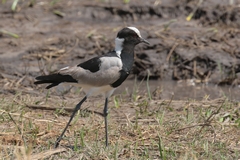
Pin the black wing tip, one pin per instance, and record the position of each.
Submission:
(52, 85)
(54, 80)
(41, 77)
(43, 81)
(37, 82)
(49, 86)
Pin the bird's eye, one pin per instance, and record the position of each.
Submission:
(134, 35)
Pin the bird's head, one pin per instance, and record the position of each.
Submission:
(129, 35)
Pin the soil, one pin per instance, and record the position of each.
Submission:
(205, 48)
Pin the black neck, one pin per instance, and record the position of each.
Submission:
(127, 56)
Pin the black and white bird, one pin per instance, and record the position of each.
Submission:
(102, 74)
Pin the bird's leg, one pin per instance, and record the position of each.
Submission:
(73, 114)
(105, 113)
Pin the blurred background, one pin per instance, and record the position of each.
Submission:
(194, 51)
(181, 100)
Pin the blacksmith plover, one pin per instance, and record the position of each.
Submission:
(102, 74)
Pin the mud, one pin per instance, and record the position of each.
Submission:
(204, 50)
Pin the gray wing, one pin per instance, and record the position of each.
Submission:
(107, 73)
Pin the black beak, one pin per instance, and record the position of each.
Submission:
(145, 41)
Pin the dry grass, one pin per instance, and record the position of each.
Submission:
(138, 128)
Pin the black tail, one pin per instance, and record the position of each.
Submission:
(54, 79)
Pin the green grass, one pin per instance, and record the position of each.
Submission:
(138, 129)
(14, 35)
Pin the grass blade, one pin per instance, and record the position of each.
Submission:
(148, 87)
(14, 35)
(14, 5)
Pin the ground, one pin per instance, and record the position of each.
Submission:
(192, 41)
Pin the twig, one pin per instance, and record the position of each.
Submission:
(195, 39)
(7, 133)
(46, 154)
(209, 119)
(49, 108)
(171, 51)
(9, 146)
(19, 130)
(170, 101)
(23, 116)
(196, 125)
(206, 123)
(68, 109)
(214, 113)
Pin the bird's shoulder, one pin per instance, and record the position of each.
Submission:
(92, 64)
(95, 63)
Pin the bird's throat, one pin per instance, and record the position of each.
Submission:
(127, 57)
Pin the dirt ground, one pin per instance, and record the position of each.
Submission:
(205, 48)
(192, 40)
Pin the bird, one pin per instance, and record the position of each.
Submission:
(100, 74)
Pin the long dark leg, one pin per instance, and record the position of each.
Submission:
(105, 113)
(73, 114)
